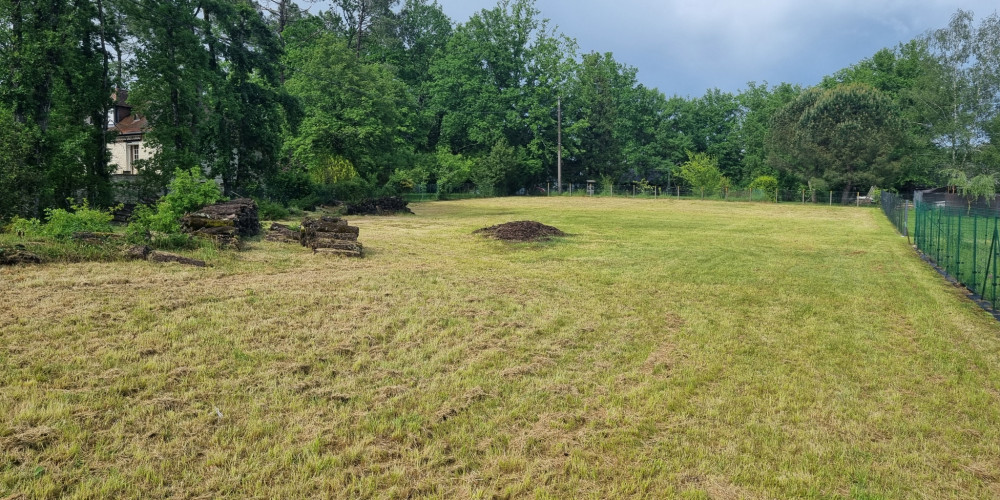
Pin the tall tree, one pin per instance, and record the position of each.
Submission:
(56, 89)
(844, 135)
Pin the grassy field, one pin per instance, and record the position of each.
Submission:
(664, 349)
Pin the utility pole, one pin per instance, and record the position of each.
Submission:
(559, 143)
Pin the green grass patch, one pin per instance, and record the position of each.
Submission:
(665, 348)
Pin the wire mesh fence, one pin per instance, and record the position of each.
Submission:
(431, 192)
(961, 238)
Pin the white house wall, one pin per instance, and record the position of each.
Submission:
(119, 152)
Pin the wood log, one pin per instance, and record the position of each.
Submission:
(169, 257)
(325, 224)
(335, 236)
(337, 251)
(95, 238)
(137, 252)
(240, 213)
(340, 244)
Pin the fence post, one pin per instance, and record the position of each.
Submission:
(995, 236)
(776, 195)
(975, 244)
(803, 196)
(937, 247)
(858, 198)
(906, 220)
(958, 250)
(831, 198)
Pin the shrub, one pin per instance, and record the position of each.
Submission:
(766, 183)
(61, 224)
(27, 227)
(702, 172)
(189, 190)
(270, 210)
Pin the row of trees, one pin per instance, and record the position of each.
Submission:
(373, 95)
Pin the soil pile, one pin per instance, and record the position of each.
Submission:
(522, 230)
(388, 205)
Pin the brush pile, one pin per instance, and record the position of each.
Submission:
(224, 222)
(323, 235)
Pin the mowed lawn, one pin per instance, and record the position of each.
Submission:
(664, 349)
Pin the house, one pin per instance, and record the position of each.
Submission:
(128, 147)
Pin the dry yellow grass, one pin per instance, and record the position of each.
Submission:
(666, 348)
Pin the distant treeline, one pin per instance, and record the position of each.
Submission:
(384, 96)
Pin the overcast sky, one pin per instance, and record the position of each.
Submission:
(686, 47)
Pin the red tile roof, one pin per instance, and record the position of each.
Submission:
(132, 124)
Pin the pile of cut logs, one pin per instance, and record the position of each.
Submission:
(224, 222)
(323, 235)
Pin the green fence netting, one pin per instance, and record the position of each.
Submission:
(961, 239)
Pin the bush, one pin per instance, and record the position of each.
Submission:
(189, 190)
(61, 224)
(270, 210)
(27, 227)
(766, 183)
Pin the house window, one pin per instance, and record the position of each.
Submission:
(133, 156)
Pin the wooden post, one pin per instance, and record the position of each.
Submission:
(858, 199)
(775, 195)
(831, 198)
(678, 191)
(548, 188)
(803, 196)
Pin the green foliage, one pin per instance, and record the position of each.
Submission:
(452, 170)
(607, 185)
(490, 171)
(61, 223)
(25, 227)
(846, 135)
(768, 184)
(271, 210)
(188, 191)
(702, 172)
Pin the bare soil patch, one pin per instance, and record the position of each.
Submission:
(522, 230)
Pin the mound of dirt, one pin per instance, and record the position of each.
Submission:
(522, 230)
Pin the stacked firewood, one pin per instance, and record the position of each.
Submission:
(330, 235)
(224, 222)
(323, 235)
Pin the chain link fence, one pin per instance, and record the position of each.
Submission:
(960, 237)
